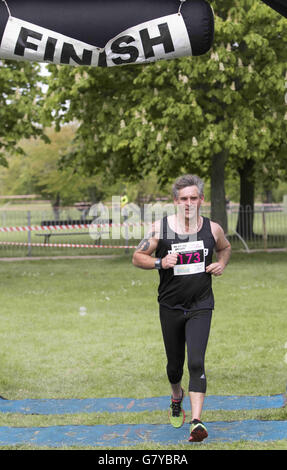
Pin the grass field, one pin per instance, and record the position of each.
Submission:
(50, 350)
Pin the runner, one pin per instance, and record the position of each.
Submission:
(183, 244)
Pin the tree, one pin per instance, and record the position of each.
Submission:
(38, 171)
(262, 52)
(204, 115)
(20, 105)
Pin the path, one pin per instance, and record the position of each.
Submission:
(122, 435)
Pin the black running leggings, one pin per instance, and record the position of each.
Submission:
(190, 328)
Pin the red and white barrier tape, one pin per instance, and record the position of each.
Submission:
(64, 245)
(38, 228)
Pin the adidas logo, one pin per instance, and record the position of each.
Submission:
(203, 376)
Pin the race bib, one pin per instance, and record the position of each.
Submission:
(191, 258)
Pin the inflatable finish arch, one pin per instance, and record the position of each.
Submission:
(104, 32)
(278, 5)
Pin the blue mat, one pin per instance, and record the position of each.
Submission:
(122, 435)
(113, 405)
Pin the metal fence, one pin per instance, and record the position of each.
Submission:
(263, 228)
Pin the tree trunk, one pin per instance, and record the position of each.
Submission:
(246, 209)
(56, 207)
(218, 201)
(268, 196)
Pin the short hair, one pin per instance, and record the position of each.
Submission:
(187, 180)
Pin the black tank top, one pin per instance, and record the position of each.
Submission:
(187, 286)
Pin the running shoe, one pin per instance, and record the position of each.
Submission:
(198, 431)
(176, 412)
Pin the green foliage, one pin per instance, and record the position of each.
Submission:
(38, 171)
(173, 116)
(20, 105)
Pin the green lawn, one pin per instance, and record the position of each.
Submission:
(50, 350)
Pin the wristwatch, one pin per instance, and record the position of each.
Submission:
(157, 263)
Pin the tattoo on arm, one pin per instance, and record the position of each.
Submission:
(145, 244)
